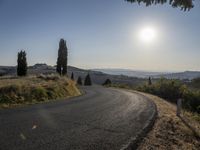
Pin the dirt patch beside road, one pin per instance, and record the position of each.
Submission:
(169, 131)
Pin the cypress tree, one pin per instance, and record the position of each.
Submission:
(88, 81)
(149, 82)
(21, 64)
(79, 81)
(107, 82)
(62, 58)
(72, 76)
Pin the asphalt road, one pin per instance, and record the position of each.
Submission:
(101, 119)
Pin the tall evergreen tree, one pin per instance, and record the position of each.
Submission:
(72, 76)
(88, 81)
(62, 58)
(21, 64)
(107, 82)
(149, 82)
(79, 81)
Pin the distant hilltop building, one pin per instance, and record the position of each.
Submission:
(39, 65)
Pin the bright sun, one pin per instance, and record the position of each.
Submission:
(147, 35)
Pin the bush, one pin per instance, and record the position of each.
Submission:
(48, 77)
(168, 89)
(9, 93)
(107, 82)
(39, 93)
(172, 90)
(79, 81)
(88, 81)
(195, 83)
(192, 101)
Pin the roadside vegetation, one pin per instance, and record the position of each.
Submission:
(171, 90)
(35, 89)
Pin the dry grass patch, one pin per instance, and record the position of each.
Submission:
(169, 132)
(28, 90)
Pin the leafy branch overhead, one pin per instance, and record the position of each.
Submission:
(183, 4)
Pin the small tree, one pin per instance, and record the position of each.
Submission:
(88, 81)
(79, 81)
(21, 64)
(149, 82)
(72, 76)
(107, 82)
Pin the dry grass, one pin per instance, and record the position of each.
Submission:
(169, 132)
(29, 90)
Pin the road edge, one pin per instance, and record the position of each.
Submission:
(135, 141)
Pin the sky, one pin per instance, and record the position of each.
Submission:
(100, 34)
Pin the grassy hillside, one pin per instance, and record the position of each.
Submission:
(35, 89)
(169, 131)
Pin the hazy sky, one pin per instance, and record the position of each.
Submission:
(100, 34)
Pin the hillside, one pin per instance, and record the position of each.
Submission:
(180, 75)
(32, 89)
(129, 72)
(145, 74)
(96, 76)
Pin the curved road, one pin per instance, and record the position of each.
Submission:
(101, 119)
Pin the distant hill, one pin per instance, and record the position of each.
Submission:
(180, 75)
(7, 70)
(97, 77)
(130, 73)
(145, 74)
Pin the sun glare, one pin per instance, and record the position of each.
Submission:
(147, 35)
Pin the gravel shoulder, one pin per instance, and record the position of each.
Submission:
(169, 131)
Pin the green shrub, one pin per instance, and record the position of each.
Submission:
(49, 77)
(168, 89)
(192, 101)
(107, 82)
(9, 93)
(39, 93)
(172, 90)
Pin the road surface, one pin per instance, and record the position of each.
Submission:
(103, 118)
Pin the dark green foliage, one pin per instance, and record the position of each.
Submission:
(168, 89)
(195, 83)
(79, 81)
(149, 82)
(107, 82)
(171, 90)
(72, 76)
(192, 101)
(39, 93)
(62, 58)
(183, 4)
(21, 64)
(88, 81)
